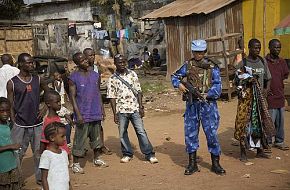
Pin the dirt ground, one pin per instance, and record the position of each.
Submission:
(164, 126)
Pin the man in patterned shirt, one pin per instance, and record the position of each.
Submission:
(127, 106)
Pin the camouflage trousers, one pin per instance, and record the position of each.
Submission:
(207, 114)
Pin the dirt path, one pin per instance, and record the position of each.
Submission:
(164, 125)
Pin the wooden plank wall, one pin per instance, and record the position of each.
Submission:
(173, 45)
(16, 40)
(181, 31)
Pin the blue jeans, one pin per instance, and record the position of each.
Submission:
(144, 143)
(277, 116)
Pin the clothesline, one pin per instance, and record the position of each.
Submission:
(102, 34)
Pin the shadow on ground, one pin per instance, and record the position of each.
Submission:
(176, 152)
(27, 167)
(113, 143)
(230, 147)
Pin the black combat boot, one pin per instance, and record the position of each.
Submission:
(216, 167)
(192, 164)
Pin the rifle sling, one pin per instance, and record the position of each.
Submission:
(127, 84)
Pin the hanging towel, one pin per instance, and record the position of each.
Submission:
(100, 34)
(118, 34)
(72, 29)
(126, 34)
(122, 33)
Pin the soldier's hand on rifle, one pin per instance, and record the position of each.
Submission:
(200, 96)
(204, 97)
(182, 88)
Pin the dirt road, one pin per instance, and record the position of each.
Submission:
(164, 125)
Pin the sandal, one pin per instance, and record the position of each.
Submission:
(268, 150)
(281, 147)
(263, 155)
(39, 182)
(106, 151)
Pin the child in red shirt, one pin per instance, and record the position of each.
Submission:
(53, 101)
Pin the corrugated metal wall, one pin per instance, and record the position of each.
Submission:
(181, 31)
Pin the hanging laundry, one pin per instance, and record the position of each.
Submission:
(72, 29)
(122, 33)
(131, 31)
(126, 34)
(113, 34)
(118, 34)
(98, 25)
(99, 34)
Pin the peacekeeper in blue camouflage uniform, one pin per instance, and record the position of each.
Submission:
(200, 82)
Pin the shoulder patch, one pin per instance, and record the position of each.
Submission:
(186, 63)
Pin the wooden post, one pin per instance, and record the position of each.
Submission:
(49, 43)
(168, 75)
(264, 26)
(229, 90)
(66, 42)
(5, 44)
(118, 26)
(33, 41)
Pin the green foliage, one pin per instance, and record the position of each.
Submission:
(108, 6)
(10, 9)
(153, 86)
(111, 2)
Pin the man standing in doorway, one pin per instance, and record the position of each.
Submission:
(276, 99)
(24, 95)
(133, 53)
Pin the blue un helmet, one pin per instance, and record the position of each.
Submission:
(198, 45)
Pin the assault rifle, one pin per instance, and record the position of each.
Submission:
(192, 94)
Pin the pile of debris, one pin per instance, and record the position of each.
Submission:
(106, 66)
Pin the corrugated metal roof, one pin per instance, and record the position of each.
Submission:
(29, 2)
(181, 8)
